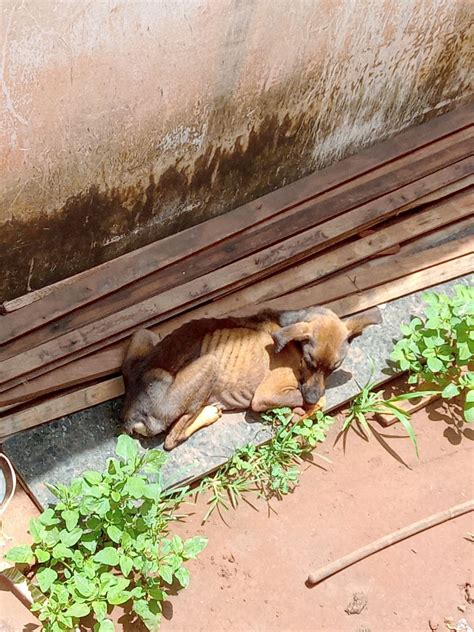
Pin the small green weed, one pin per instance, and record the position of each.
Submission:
(438, 349)
(106, 543)
(370, 402)
(272, 469)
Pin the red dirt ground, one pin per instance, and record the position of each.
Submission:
(252, 574)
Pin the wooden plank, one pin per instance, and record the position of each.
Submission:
(57, 407)
(109, 389)
(403, 286)
(105, 331)
(437, 194)
(362, 277)
(295, 221)
(118, 273)
(459, 230)
(83, 370)
(109, 360)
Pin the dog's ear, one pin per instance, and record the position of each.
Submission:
(141, 344)
(357, 324)
(298, 331)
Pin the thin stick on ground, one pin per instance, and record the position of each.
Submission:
(388, 540)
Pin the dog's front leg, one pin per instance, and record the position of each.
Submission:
(278, 390)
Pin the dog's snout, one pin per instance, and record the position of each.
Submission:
(313, 389)
(312, 395)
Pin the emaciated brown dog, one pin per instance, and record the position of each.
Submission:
(272, 359)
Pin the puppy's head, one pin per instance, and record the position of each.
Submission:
(144, 387)
(324, 339)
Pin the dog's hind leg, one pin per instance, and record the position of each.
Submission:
(189, 424)
(189, 395)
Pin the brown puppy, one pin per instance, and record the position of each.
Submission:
(268, 360)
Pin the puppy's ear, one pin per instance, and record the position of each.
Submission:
(298, 331)
(357, 324)
(141, 344)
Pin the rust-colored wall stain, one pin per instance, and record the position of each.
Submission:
(151, 180)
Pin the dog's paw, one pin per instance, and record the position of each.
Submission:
(171, 442)
(298, 414)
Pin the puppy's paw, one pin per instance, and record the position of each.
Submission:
(298, 414)
(172, 442)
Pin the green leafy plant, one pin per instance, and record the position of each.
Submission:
(369, 402)
(106, 542)
(438, 348)
(272, 469)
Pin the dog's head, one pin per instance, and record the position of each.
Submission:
(143, 387)
(324, 340)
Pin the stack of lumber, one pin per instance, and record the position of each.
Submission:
(388, 221)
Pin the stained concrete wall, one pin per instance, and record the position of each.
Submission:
(123, 121)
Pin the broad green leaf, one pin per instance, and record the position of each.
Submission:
(84, 586)
(434, 364)
(177, 544)
(138, 592)
(58, 490)
(48, 517)
(75, 487)
(135, 487)
(20, 555)
(78, 610)
(114, 533)
(37, 530)
(92, 477)
(182, 575)
(166, 573)
(469, 413)
(46, 578)
(100, 609)
(194, 546)
(152, 491)
(154, 461)
(126, 564)
(100, 506)
(116, 598)
(108, 556)
(150, 617)
(109, 581)
(78, 558)
(60, 551)
(156, 593)
(451, 390)
(469, 406)
(89, 541)
(64, 621)
(71, 518)
(69, 538)
(42, 555)
(126, 447)
(51, 537)
(94, 523)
